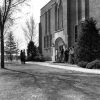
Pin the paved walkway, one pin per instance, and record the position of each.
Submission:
(67, 67)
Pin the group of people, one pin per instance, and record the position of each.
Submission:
(62, 56)
(66, 56)
(22, 56)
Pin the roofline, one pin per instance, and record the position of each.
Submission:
(46, 4)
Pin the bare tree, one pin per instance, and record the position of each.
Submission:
(29, 30)
(7, 8)
(7, 28)
(18, 43)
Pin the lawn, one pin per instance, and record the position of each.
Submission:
(33, 82)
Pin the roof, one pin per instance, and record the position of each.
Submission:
(47, 6)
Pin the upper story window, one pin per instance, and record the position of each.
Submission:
(49, 21)
(58, 15)
(47, 36)
(45, 22)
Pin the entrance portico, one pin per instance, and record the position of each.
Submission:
(59, 48)
(59, 45)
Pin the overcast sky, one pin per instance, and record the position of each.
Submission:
(25, 13)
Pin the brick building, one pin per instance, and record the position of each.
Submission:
(58, 25)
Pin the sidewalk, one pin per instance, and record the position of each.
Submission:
(67, 67)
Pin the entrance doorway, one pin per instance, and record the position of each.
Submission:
(59, 50)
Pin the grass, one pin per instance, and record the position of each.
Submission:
(33, 82)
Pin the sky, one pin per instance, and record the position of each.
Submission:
(23, 15)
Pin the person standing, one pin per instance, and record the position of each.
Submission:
(59, 56)
(21, 56)
(62, 54)
(71, 55)
(24, 57)
(66, 55)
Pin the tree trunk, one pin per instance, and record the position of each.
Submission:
(2, 47)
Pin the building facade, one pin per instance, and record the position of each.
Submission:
(58, 25)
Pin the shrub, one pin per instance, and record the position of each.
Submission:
(87, 47)
(94, 64)
(82, 64)
(39, 58)
(32, 50)
(47, 58)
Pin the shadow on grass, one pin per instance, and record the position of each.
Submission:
(51, 84)
(20, 72)
(41, 79)
(26, 73)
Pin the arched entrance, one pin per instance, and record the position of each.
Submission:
(59, 49)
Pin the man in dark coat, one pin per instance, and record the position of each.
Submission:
(22, 56)
(66, 55)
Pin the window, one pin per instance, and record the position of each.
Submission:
(56, 17)
(46, 23)
(51, 40)
(76, 32)
(49, 20)
(58, 9)
(47, 41)
(59, 16)
(44, 42)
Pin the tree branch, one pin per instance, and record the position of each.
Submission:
(6, 12)
(17, 3)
